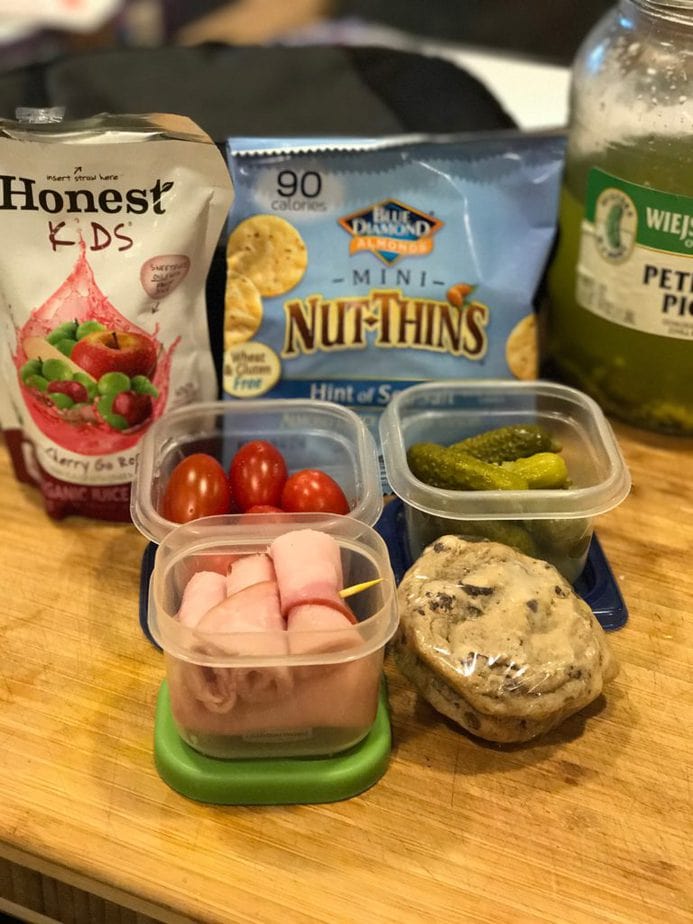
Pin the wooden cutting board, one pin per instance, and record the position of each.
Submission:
(589, 824)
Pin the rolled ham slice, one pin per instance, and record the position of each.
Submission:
(308, 565)
(345, 697)
(212, 689)
(255, 608)
(247, 570)
(344, 690)
(314, 629)
(249, 622)
(203, 592)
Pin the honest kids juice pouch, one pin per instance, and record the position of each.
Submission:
(108, 227)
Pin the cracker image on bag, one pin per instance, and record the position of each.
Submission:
(384, 262)
(522, 348)
(242, 309)
(269, 251)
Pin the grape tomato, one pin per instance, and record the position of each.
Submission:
(198, 487)
(258, 481)
(257, 475)
(313, 491)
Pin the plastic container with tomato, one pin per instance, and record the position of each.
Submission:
(310, 435)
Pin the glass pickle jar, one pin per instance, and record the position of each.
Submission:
(619, 319)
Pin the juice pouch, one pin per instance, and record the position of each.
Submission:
(108, 227)
(357, 267)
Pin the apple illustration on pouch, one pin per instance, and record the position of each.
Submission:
(115, 351)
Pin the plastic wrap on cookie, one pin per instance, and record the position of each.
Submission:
(498, 641)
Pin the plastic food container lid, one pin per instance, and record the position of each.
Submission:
(310, 434)
(272, 780)
(447, 411)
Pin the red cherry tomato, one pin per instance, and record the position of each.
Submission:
(198, 487)
(313, 491)
(264, 508)
(257, 475)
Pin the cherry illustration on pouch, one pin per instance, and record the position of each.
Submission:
(105, 375)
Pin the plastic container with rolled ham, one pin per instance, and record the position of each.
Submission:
(265, 655)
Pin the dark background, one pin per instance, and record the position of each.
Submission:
(546, 30)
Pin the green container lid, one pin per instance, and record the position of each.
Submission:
(270, 781)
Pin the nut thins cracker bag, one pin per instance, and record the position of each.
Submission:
(109, 227)
(357, 267)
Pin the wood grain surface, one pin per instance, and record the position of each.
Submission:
(590, 824)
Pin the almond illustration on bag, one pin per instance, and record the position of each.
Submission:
(113, 222)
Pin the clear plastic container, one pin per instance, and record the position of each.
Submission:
(554, 525)
(309, 434)
(272, 693)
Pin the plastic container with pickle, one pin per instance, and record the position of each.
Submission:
(554, 524)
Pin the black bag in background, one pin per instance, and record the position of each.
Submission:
(543, 30)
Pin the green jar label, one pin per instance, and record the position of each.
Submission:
(635, 266)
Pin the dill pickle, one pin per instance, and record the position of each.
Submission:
(508, 532)
(568, 533)
(444, 468)
(564, 542)
(542, 470)
(428, 527)
(505, 444)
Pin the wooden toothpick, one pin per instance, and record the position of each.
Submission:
(357, 588)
